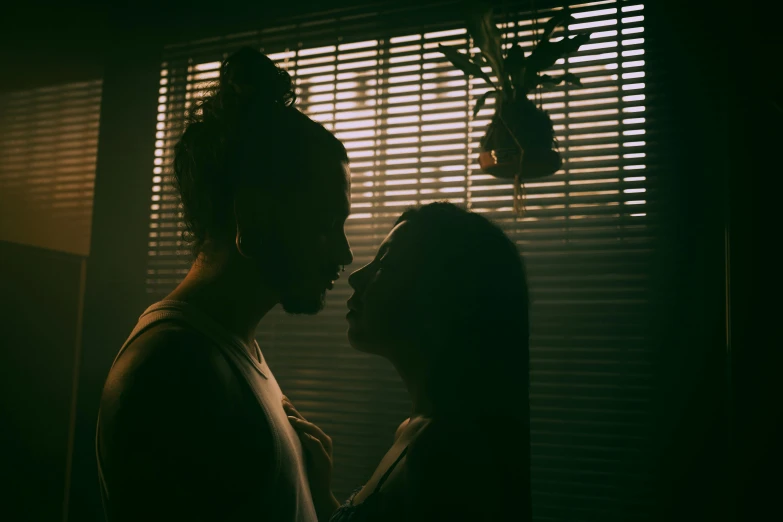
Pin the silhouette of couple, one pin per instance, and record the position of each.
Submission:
(193, 425)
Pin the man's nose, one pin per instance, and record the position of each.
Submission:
(345, 256)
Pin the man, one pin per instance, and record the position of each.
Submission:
(191, 425)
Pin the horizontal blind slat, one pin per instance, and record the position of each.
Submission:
(48, 149)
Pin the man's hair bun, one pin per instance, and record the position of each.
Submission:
(250, 74)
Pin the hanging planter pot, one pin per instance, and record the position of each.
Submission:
(519, 143)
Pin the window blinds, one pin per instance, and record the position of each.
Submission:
(588, 233)
(48, 147)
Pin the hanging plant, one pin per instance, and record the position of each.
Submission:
(520, 140)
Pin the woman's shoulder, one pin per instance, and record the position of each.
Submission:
(401, 428)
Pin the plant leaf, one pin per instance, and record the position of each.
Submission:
(514, 65)
(485, 33)
(572, 45)
(547, 53)
(562, 17)
(482, 100)
(571, 78)
(543, 56)
(463, 62)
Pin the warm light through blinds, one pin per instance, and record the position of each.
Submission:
(48, 148)
(588, 233)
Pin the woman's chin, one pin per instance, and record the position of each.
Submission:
(354, 339)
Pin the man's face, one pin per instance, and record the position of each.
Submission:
(311, 247)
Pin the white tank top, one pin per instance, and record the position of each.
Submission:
(290, 492)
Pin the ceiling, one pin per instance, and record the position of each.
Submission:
(45, 42)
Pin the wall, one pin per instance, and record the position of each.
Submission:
(721, 419)
(39, 337)
(41, 289)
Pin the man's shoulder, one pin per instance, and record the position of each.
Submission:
(178, 430)
(167, 360)
(169, 343)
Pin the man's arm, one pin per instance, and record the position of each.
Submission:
(180, 438)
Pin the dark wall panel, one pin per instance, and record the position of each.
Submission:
(40, 302)
(115, 294)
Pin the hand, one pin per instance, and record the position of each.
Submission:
(318, 452)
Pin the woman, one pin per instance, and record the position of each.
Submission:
(445, 301)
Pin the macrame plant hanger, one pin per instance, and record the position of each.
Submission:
(519, 184)
(519, 187)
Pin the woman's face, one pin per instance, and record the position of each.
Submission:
(383, 314)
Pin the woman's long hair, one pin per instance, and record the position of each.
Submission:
(474, 285)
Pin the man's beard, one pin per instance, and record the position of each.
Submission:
(300, 294)
(300, 286)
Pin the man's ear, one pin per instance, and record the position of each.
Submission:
(242, 213)
(253, 218)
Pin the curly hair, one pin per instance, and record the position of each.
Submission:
(244, 131)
